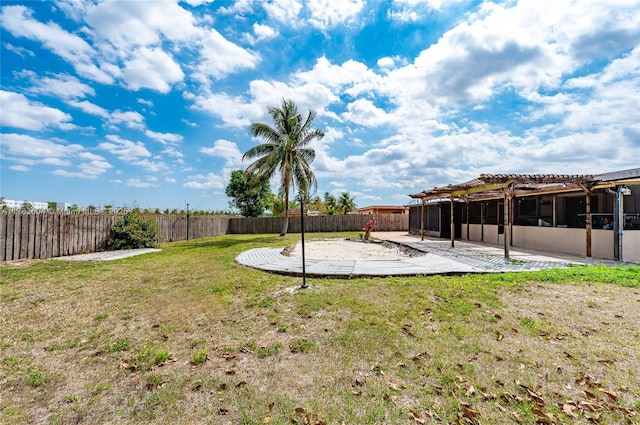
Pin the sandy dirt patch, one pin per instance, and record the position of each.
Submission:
(345, 249)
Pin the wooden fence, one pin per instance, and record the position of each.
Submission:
(325, 223)
(47, 235)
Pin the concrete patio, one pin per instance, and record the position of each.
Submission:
(438, 258)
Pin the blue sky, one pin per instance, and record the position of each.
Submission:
(149, 102)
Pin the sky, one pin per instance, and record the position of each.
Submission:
(149, 103)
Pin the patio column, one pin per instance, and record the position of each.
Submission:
(453, 225)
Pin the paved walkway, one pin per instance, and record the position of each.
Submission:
(438, 258)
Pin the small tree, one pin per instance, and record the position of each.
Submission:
(249, 193)
(346, 203)
(330, 203)
(133, 231)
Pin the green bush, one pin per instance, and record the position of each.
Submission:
(133, 231)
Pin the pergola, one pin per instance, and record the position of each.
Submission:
(508, 186)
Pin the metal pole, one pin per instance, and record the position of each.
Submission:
(304, 271)
(187, 221)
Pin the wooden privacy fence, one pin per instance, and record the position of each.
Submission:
(325, 223)
(48, 235)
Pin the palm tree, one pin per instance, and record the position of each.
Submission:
(345, 203)
(285, 150)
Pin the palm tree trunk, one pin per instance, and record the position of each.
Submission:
(285, 224)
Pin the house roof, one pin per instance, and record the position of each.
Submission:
(489, 186)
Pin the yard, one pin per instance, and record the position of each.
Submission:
(187, 336)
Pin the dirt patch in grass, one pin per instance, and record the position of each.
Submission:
(186, 335)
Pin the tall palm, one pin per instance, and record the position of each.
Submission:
(285, 151)
(346, 203)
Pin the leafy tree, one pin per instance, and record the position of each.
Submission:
(276, 205)
(74, 208)
(249, 193)
(316, 204)
(133, 231)
(330, 204)
(285, 150)
(346, 203)
(91, 209)
(3, 205)
(52, 206)
(26, 206)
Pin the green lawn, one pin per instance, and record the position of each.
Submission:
(186, 336)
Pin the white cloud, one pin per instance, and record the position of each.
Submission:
(351, 77)
(20, 112)
(220, 57)
(19, 22)
(130, 118)
(93, 167)
(139, 183)
(196, 3)
(151, 68)
(329, 13)
(127, 25)
(62, 86)
(90, 108)
(19, 168)
(233, 111)
(151, 166)
(164, 137)
(145, 102)
(208, 181)
(227, 150)
(20, 51)
(264, 32)
(363, 112)
(261, 33)
(124, 149)
(285, 11)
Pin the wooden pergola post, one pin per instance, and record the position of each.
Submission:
(587, 191)
(453, 225)
(506, 224)
(422, 221)
(466, 201)
(588, 224)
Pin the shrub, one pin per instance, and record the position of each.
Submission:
(133, 231)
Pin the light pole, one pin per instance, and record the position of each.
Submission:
(187, 221)
(304, 271)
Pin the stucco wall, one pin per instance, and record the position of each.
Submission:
(631, 245)
(572, 241)
(557, 239)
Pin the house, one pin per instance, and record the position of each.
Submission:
(383, 209)
(592, 215)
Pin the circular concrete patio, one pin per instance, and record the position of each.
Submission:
(438, 258)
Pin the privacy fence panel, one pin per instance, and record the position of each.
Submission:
(48, 235)
(326, 223)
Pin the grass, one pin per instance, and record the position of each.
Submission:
(186, 335)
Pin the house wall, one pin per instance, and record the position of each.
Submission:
(571, 241)
(601, 243)
(475, 233)
(558, 239)
(631, 245)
